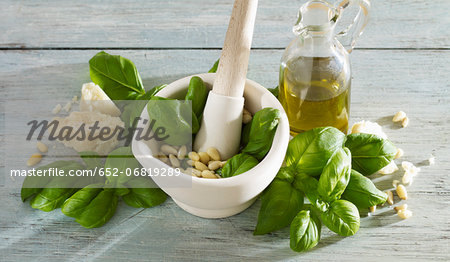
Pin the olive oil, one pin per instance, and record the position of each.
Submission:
(315, 92)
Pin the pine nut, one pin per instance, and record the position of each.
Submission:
(68, 106)
(200, 166)
(194, 156)
(174, 160)
(389, 169)
(399, 116)
(42, 147)
(217, 175)
(213, 165)
(204, 157)
(390, 198)
(401, 192)
(208, 174)
(34, 159)
(246, 118)
(245, 111)
(431, 160)
(163, 157)
(395, 183)
(74, 98)
(399, 153)
(222, 163)
(190, 162)
(213, 154)
(56, 109)
(401, 207)
(182, 152)
(405, 122)
(372, 209)
(168, 150)
(193, 172)
(407, 178)
(404, 214)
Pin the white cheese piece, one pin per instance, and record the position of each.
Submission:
(368, 128)
(94, 99)
(76, 119)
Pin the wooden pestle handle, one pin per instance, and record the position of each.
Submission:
(232, 70)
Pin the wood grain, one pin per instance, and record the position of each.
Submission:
(385, 81)
(202, 24)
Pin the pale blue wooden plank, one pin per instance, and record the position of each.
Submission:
(188, 23)
(384, 82)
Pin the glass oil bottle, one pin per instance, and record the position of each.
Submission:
(315, 72)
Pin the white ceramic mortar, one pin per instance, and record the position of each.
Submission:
(218, 198)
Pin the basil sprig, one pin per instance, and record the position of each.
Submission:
(319, 166)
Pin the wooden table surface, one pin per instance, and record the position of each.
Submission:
(401, 63)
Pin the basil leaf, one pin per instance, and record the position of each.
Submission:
(342, 217)
(75, 205)
(99, 210)
(50, 192)
(305, 231)
(280, 202)
(245, 133)
(362, 192)
(197, 93)
(238, 164)
(91, 159)
(275, 91)
(32, 185)
(335, 175)
(309, 152)
(116, 75)
(152, 92)
(309, 186)
(117, 163)
(143, 193)
(214, 68)
(370, 153)
(262, 130)
(176, 117)
(51, 198)
(131, 111)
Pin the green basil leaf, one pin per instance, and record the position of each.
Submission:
(305, 231)
(197, 93)
(342, 217)
(75, 205)
(262, 130)
(214, 68)
(275, 91)
(309, 186)
(370, 153)
(91, 159)
(50, 192)
(362, 192)
(99, 210)
(280, 202)
(335, 175)
(117, 163)
(309, 152)
(131, 111)
(176, 117)
(152, 92)
(51, 198)
(245, 133)
(143, 193)
(238, 164)
(116, 75)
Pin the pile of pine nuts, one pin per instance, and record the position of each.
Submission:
(198, 164)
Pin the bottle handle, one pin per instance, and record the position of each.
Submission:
(350, 34)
